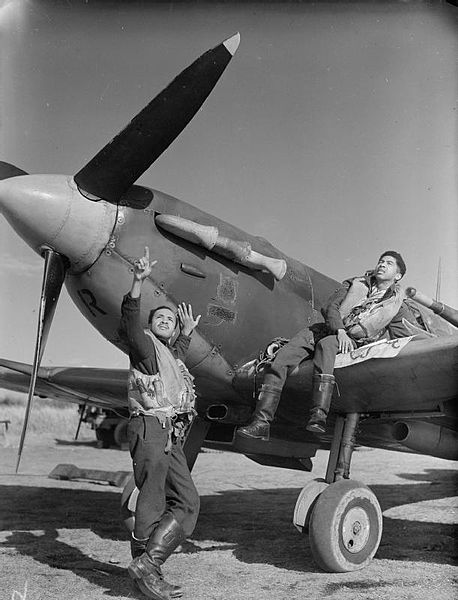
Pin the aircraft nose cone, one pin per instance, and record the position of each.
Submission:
(48, 210)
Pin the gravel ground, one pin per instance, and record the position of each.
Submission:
(64, 539)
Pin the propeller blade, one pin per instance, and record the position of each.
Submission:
(53, 278)
(121, 162)
(7, 170)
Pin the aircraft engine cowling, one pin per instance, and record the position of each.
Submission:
(427, 438)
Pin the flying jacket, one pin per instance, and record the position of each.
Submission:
(159, 383)
(395, 328)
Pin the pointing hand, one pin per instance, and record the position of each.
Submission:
(143, 266)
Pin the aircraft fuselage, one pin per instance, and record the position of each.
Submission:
(242, 310)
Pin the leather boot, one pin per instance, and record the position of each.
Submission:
(137, 547)
(323, 386)
(146, 569)
(266, 406)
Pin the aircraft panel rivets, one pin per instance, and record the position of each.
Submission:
(120, 219)
(108, 252)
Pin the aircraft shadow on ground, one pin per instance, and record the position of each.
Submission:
(254, 524)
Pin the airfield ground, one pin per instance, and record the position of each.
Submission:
(64, 539)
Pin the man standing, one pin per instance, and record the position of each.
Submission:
(161, 399)
(361, 311)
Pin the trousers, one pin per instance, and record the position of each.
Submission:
(163, 479)
(301, 346)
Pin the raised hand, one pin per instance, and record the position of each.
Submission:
(143, 266)
(187, 322)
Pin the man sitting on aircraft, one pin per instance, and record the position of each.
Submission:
(361, 311)
(160, 398)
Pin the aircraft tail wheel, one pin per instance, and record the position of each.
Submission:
(128, 504)
(345, 527)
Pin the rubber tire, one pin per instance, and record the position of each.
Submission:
(105, 436)
(330, 514)
(120, 433)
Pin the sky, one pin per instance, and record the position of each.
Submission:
(332, 133)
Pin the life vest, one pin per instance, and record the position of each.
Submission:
(167, 393)
(365, 318)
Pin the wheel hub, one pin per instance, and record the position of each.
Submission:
(355, 530)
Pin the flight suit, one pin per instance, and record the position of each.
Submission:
(320, 340)
(162, 477)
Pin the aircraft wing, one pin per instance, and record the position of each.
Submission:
(412, 378)
(105, 388)
(423, 375)
(416, 379)
(408, 374)
(417, 376)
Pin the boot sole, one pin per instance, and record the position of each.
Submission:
(248, 436)
(148, 593)
(315, 429)
(137, 577)
(156, 596)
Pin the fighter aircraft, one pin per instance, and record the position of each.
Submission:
(91, 227)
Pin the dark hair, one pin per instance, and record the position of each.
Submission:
(154, 310)
(398, 258)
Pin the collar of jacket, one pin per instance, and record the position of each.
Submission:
(369, 280)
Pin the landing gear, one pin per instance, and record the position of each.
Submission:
(345, 527)
(342, 517)
(110, 426)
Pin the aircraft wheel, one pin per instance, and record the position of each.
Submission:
(105, 436)
(345, 527)
(120, 433)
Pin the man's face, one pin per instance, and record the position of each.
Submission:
(387, 270)
(163, 323)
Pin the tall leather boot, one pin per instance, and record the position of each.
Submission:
(146, 569)
(323, 386)
(137, 547)
(266, 406)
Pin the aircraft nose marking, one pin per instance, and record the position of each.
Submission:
(224, 314)
(226, 290)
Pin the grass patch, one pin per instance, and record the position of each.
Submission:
(48, 417)
(9, 398)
